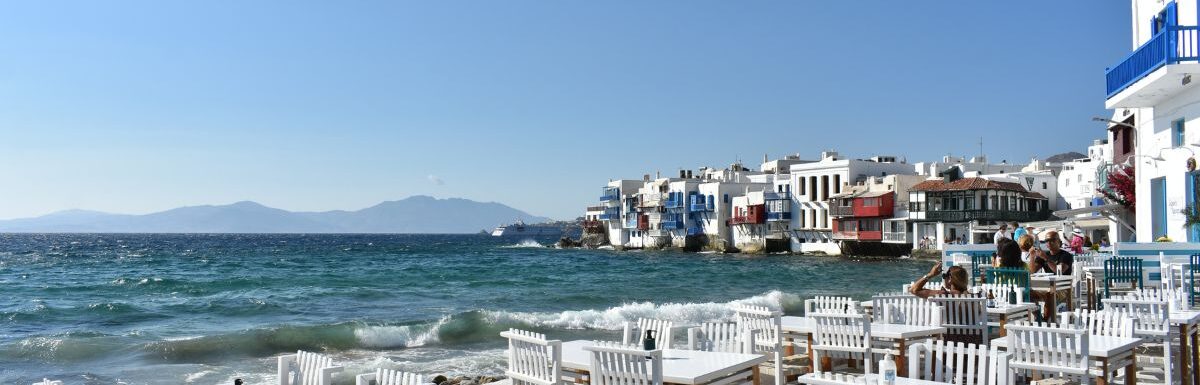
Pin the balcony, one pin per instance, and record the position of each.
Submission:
(702, 207)
(841, 211)
(674, 204)
(985, 215)
(857, 235)
(745, 219)
(631, 223)
(777, 196)
(671, 225)
(779, 216)
(609, 198)
(1137, 80)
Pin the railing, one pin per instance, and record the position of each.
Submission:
(671, 225)
(609, 217)
(607, 197)
(595, 208)
(841, 211)
(671, 204)
(845, 235)
(986, 215)
(779, 216)
(631, 223)
(777, 196)
(695, 230)
(744, 219)
(1172, 45)
(702, 206)
(895, 237)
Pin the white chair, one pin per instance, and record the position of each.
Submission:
(1099, 322)
(929, 285)
(958, 363)
(1001, 292)
(389, 377)
(878, 301)
(1045, 348)
(965, 317)
(1155, 330)
(532, 359)
(306, 368)
(841, 333)
(766, 331)
(726, 337)
(825, 304)
(46, 381)
(1136, 305)
(907, 311)
(619, 364)
(635, 332)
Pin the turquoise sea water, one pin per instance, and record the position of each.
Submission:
(205, 309)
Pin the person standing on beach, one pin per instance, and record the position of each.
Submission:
(1002, 233)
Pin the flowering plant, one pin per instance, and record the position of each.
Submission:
(1121, 187)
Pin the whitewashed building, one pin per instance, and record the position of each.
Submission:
(614, 198)
(813, 183)
(1157, 109)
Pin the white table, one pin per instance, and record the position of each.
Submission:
(805, 326)
(870, 379)
(1105, 349)
(1188, 323)
(1004, 313)
(690, 367)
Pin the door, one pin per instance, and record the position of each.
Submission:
(1193, 199)
(1158, 208)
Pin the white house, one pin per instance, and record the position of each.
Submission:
(614, 198)
(712, 218)
(813, 183)
(1157, 107)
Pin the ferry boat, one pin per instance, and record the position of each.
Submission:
(521, 229)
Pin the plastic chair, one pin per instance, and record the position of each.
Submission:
(841, 333)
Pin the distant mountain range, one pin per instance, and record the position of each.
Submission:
(416, 215)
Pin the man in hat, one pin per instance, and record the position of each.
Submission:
(1076, 241)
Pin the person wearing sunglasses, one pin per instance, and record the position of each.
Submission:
(954, 281)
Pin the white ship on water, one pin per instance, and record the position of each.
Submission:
(521, 229)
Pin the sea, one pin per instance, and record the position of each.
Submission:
(209, 308)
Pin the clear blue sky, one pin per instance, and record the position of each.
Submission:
(135, 107)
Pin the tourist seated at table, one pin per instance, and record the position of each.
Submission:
(1026, 244)
(1009, 255)
(1054, 260)
(954, 281)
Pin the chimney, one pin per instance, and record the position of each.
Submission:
(689, 174)
(682, 174)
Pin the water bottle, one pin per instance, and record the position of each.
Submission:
(648, 342)
(887, 371)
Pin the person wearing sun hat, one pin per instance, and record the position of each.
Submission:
(1076, 241)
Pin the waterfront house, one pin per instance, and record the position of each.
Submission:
(952, 208)
(615, 199)
(1156, 108)
(812, 185)
(871, 217)
(711, 216)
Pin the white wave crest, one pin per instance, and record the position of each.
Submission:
(682, 314)
(407, 336)
(525, 243)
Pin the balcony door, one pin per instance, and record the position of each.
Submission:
(1193, 200)
(1166, 18)
(1158, 208)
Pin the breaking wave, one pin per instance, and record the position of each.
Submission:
(470, 327)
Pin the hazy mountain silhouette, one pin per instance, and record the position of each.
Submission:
(417, 214)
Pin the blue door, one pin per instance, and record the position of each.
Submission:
(1193, 199)
(1158, 208)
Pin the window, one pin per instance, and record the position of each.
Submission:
(1177, 133)
(870, 202)
(1044, 184)
(969, 203)
(801, 186)
(726, 200)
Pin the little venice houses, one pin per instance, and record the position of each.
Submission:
(1156, 112)
(951, 209)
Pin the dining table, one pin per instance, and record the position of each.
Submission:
(803, 327)
(1111, 352)
(681, 366)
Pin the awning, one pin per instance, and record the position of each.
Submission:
(1114, 207)
(1111, 211)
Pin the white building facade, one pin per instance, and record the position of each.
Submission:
(1155, 96)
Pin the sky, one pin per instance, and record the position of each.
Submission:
(142, 106)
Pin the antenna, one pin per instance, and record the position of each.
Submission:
(980, 147)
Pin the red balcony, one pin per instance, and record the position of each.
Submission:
(867, 205)
(749, 215)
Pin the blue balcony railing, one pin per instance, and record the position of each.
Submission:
(609, 217)
(674, 204)
(606, 197)
(1172, 45)
(777, 196)
(779, 216)
(697, 206)
(671, 225)
(631, 223)
(695, 230)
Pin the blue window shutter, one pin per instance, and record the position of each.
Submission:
(1170, 12)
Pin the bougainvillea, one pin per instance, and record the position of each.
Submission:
(1122, 187)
